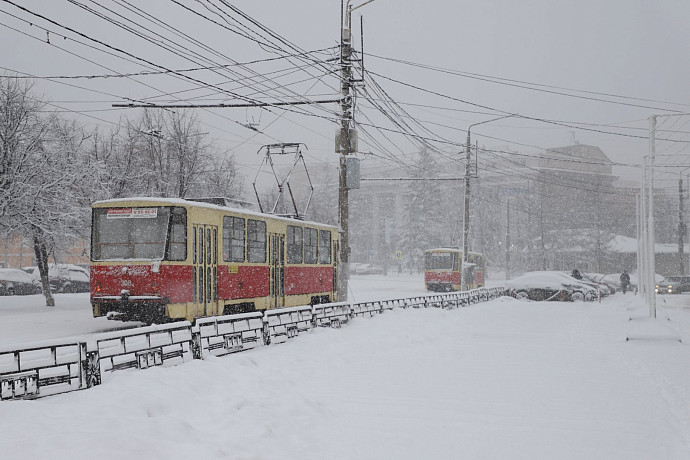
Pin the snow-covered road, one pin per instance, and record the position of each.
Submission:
(496, 380)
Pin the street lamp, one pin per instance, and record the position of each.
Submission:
(466, 227)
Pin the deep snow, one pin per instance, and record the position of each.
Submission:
(503, 379)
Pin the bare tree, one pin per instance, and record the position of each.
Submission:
(163, 153)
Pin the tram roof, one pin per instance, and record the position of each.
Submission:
(148, 200)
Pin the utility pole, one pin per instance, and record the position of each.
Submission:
(507, 238)
(651, 242)
(681, 229)
(346, 140)
(466, 227)
(346, 122)
(466, 219)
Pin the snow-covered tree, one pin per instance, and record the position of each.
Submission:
(427, 222)
(43, 178)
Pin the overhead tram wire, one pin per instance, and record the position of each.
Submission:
(100, 42)
(487, 113)
(122, 51)
(145, 73)
(263, 27)
(396, 105)
(526, 117)
(576, 123)
(394, 109)
(65, 37)
(298, 95)
(173, 47)
(92, 90)
(255, 22)
(282, 72)
(225, 16)
(110, 47)
(77, 41)
(519, 83)
(192, 40)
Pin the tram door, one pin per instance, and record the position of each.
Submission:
(276, 254)
(335, 258)
(205, 261)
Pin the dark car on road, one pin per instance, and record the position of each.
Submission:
(673, 285)
(17, 282)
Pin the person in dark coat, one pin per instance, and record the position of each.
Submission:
(625, 281)
(576, 274)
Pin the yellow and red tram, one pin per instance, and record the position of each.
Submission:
(442, 269)
(161, 259)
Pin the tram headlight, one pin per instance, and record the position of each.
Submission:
(98, 288)
(155, 288)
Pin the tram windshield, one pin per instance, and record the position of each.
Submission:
(441, 261)
(138, 233)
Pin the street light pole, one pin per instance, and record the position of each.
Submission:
(466, 221)
(651, 281)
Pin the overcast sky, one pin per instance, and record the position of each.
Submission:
(589, 71)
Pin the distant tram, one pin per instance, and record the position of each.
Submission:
(442, 269)
(157, 259)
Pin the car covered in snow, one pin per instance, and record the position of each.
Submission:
(602, 288)
(368, 269)
(64, 277)
(17, 282)
(550, 285)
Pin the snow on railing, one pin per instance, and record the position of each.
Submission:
(222, 335)
(45, 368)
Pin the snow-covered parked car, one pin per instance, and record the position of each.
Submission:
(550, 285)
(602, 288)
(368, 269)
(17, 282)
(64, 277)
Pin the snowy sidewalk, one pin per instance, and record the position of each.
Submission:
(502, 379)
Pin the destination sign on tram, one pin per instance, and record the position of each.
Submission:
(129, 213)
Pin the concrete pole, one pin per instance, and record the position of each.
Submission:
(466, 222)
(638, 215)
(652, 242)
(507, 238)
(346, 107)
(681, 229)
(642, 272)
(466, 226)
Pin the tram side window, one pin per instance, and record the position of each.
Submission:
(324, 247)
(294, 244)
(177, 241)
(233, 239)
(256, 238)
(311, 236)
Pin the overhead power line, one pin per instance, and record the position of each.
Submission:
(257, 104)
(521, 84)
